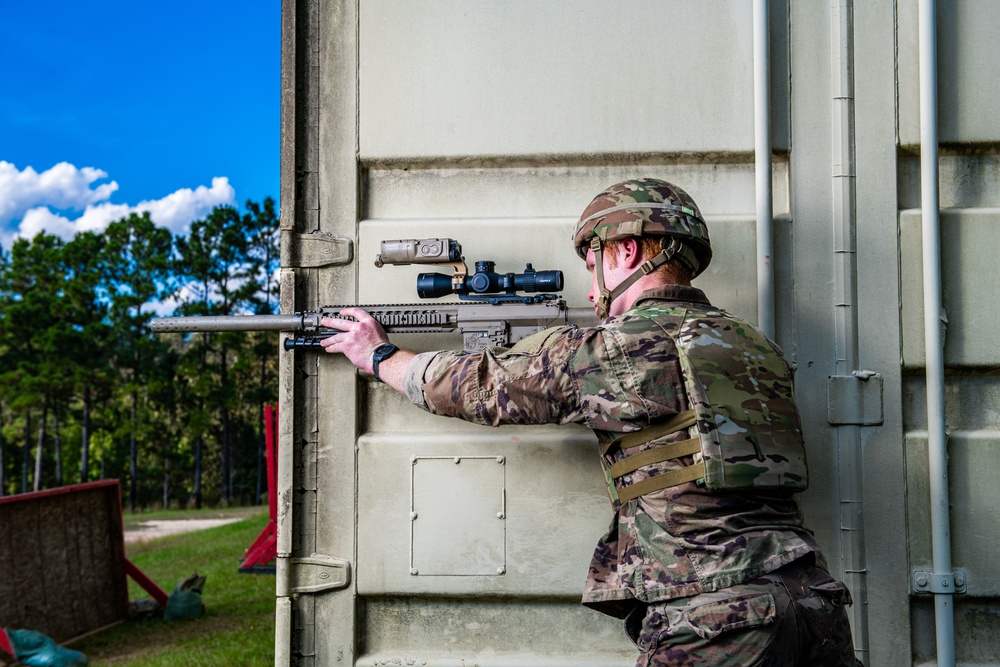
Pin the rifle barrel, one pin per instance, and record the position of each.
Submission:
(227, 323)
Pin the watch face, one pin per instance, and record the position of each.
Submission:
(382, 352)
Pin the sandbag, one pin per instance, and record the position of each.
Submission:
(34, 649)
(185, 603)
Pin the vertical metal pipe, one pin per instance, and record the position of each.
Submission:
(844, 222)
(762, 162)
(937, 444)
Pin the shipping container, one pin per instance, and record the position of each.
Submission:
(495, 123)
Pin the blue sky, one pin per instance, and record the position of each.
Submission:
(116, 106)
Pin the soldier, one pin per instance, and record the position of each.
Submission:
(706, 559)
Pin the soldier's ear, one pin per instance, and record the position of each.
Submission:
(630, 253)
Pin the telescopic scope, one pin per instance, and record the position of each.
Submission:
(487, 281)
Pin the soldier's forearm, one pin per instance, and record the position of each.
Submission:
(392, 371)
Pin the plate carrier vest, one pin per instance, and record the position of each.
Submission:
(744, 426)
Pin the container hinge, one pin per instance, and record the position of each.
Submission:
(855, 399)
(317, 573)
(318, 250)
(954, 583)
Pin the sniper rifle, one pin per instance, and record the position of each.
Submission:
(494, 310)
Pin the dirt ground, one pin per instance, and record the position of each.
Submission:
(143, 531)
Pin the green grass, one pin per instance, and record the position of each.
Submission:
(237, 629)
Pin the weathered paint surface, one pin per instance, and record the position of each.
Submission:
(495, 123)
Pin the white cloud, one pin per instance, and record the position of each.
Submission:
(94, 218)
(62, 187)
(179, 209)
(31, 197)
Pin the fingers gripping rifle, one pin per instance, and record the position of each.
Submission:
(492, 311)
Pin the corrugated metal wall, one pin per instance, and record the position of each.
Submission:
(970, 221)
(494, 124)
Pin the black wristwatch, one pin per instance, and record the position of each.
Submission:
(382, 352)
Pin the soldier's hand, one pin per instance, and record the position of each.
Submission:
(358, 339)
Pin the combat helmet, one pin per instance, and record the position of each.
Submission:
(643, 207)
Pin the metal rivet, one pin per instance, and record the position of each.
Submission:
(501, 570)
(413, 516)
(458, 459)
(500, 459)
(413, 460)
(414, 571)
(500, 515)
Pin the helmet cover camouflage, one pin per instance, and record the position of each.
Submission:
(644, 207)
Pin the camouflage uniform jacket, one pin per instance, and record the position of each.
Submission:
(618, 377)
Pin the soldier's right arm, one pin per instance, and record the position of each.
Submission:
(357, 341)
(532, 383)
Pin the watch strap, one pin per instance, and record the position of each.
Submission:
(382, 352)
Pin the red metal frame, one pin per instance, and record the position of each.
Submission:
(147, 584)
(58, 491)
(5, 644)
(265, 548)
(131, 570)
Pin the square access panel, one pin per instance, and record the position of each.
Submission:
(458, 516)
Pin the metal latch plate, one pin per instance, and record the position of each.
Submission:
(318, 573)
(318, 250)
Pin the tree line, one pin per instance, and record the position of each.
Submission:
(88, 392)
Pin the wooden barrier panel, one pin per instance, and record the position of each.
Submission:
(62, 560)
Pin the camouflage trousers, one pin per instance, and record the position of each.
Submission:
(795, 616)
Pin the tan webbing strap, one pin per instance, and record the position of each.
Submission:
(687, 256)
(680, 421)
(672, 450)
(646, 268)
(664, 481)
(604, 297)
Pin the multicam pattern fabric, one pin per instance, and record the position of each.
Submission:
(794, 616)
(644, 207)
(620, 377)
(740, 386)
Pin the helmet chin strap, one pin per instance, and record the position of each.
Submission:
(669, 252)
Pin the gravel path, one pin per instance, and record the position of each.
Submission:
(144, 531)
